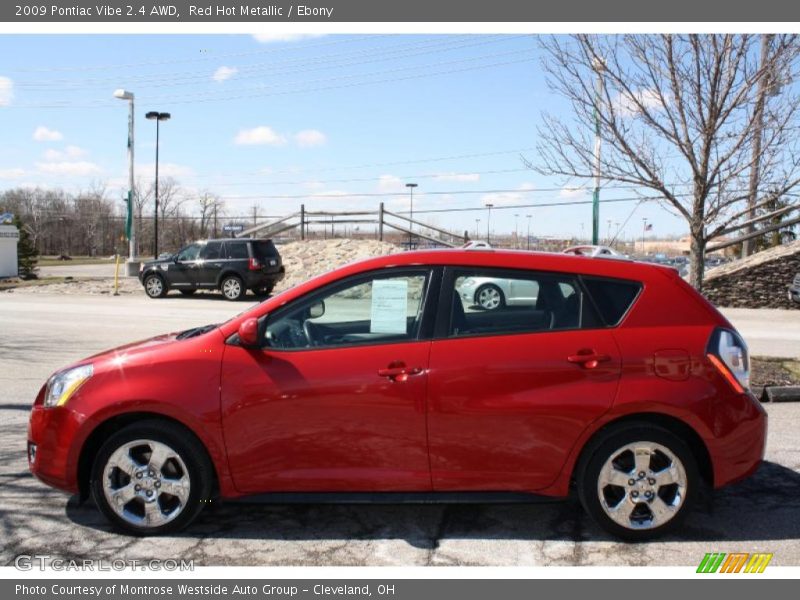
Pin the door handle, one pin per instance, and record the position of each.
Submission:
(588, 358)
(399, 372)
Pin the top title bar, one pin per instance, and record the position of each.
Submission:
(338, 11)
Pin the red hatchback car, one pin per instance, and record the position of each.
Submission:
(613, 379)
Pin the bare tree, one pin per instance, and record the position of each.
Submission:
(678, 117)
(211, 206)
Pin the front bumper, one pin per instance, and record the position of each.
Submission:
(52, 433)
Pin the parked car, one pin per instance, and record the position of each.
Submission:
(594, 251)
(621, 383)
(794, 289)
(232, 266)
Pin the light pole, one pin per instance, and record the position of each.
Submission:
(156, 116)
(489, 223)
(130, 223)
(599, 66)
(644, 229)
(528, 237)
(477, 224)
(411, 187)
(516, 231)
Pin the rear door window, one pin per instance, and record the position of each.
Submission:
(613, 297)
(237, 250)
(494, 302)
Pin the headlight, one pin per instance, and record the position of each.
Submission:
(62, 385)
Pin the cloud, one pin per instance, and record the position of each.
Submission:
(43, 134)
(6, 91)
(509, 198)
(309, 138)
(458, 177)
(165, 169)
(313, 185)
(224, 73)
(626, 105)
(12, 173)
(70, 152)
(391, 183)
(272, 37)
(572, 192)
(259, 136)
(78, 168)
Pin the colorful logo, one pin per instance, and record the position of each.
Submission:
(736, 562)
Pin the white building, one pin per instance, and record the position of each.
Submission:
(9, 238)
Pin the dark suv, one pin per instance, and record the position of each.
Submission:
(231, 265)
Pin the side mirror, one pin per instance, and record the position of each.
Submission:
(248, 333)
(316, 310)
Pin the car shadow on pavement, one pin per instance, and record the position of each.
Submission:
(764, 507)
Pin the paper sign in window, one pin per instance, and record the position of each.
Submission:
(389, 306)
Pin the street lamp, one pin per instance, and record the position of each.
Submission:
(489, 206)
(156, 116)
(599, 67)
(644, 230)
(130, 224)
(411, 187)
(516, 231)
(529, 231)
(477, 224)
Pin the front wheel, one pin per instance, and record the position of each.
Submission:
(151, 478)
(232, 288)
(154, 286)
(639, 482)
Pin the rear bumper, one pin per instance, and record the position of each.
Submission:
(738, 454)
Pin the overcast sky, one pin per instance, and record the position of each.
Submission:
(274, 121)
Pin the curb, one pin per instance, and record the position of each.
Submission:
(777, 393)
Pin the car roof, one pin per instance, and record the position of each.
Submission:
(516, 259)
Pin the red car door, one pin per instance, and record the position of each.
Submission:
(335, 402)
(510, 390)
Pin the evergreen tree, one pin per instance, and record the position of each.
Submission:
(27, 253)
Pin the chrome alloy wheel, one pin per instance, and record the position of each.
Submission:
(642, 485)
(154, 286)
(232, 288)
(146, 483)
(489, 298)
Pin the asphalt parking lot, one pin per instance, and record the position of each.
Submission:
(41, 332)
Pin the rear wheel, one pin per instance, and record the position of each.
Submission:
(489, 297)
(232, 287)
(154, 286)
(640, 482)
(151, 478)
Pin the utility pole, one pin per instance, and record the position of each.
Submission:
(516, 231)
(764, 83)
(215, 221)
(255, 214)
(644, 230)
(599, 67)
(411, 187)
(489, 223)
(477, 224)
(528, 237)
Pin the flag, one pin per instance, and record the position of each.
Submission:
(129, 216)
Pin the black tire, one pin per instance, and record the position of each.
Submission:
(232, 288)
(191, 453)
(678, 499)
(188, 292)
(155, 286)
(264, 290)
(495, 291)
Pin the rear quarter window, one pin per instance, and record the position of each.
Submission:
(265, 249)
(613, 297)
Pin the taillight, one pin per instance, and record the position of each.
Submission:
(728, 353)
(253, 264)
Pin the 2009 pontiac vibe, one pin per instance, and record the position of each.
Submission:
(615, 380)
